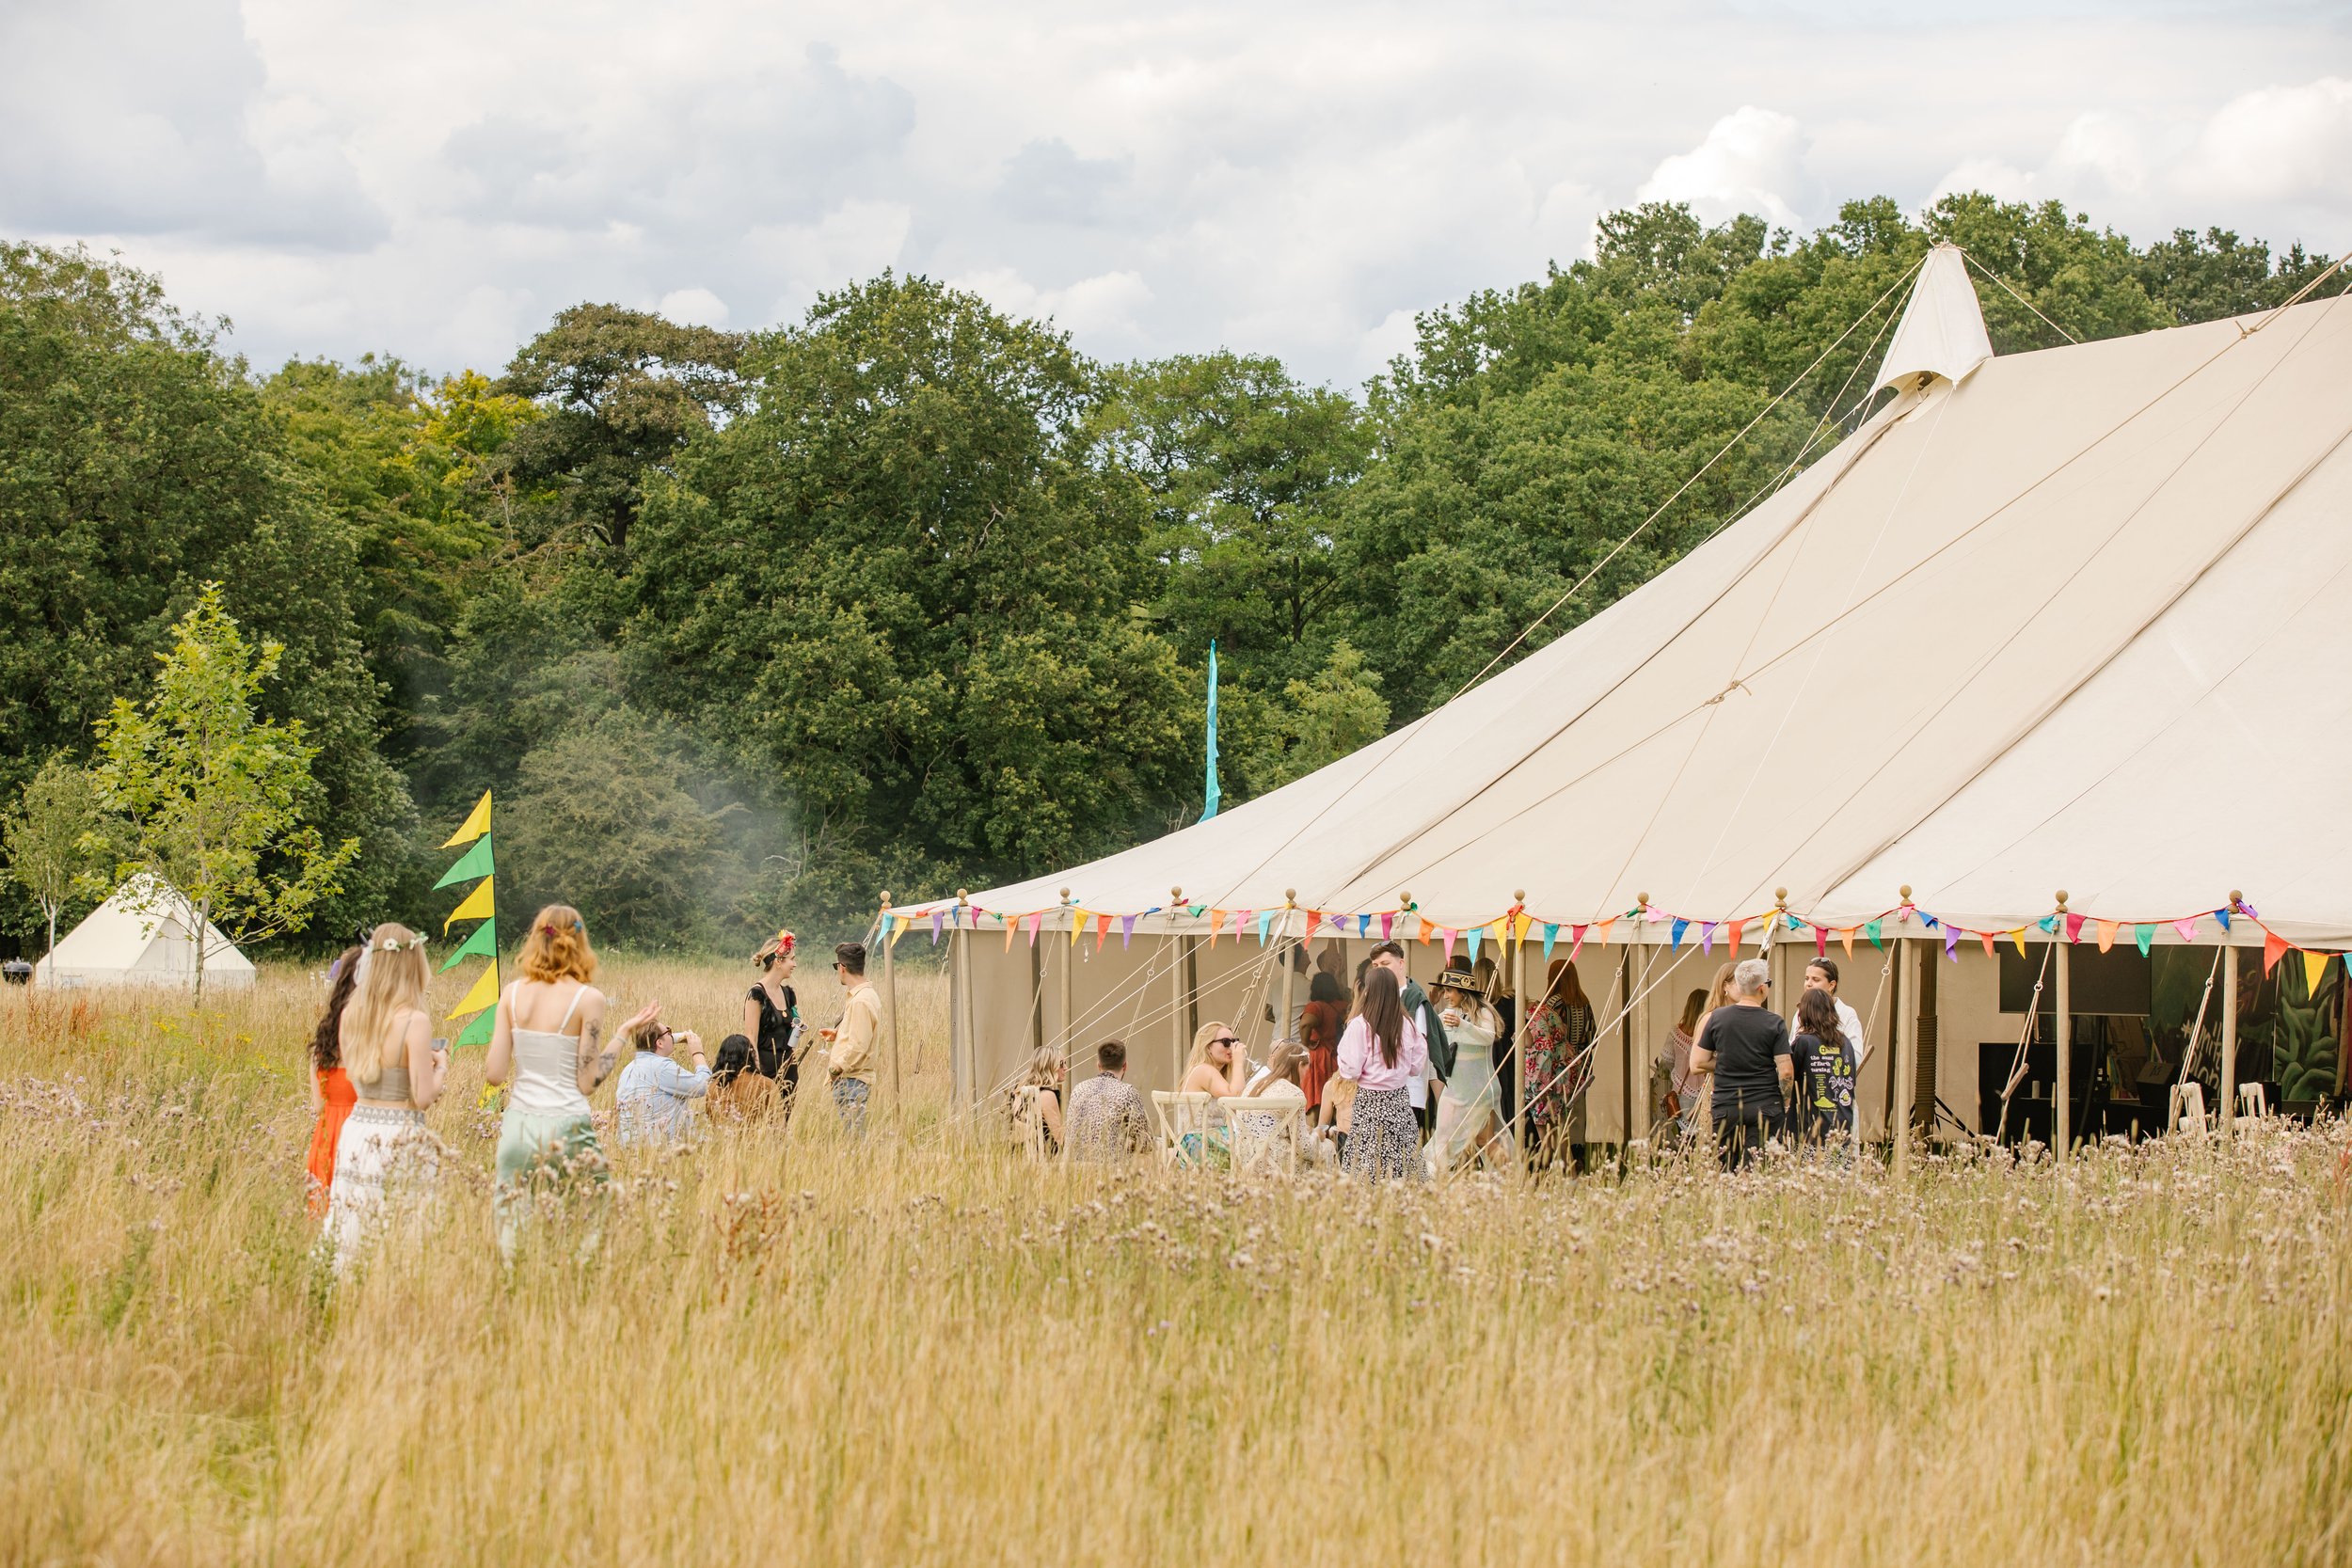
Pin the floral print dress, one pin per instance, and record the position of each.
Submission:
(1557, 1036)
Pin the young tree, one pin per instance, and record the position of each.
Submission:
(211, 796)
(49, 836)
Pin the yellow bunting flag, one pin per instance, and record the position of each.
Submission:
(2017, 938)
(478, 905)
(2314, 966)
(483, 994)
(2106, 934)
(477, 823)
(1078, 926)
(1525, 919)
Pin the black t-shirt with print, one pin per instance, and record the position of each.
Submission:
(1824, 1082)
(1746, 1041)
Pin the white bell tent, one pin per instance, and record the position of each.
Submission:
(141, 937)
(2074, 620)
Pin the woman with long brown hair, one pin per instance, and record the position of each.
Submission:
(331, 1095)
(396, 1069)
(1381, 1053)
(1559, 1062)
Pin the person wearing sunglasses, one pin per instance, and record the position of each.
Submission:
(1218, 1067)
(653, 1100)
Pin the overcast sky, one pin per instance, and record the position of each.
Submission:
(435, 178)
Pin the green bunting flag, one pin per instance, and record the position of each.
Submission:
(473, 866)
(483, 943)
(1870, 929)
(478, 1032)
(2143, 935)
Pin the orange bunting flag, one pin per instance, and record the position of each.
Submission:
(1216, 920)
(1732, 942)
(1314, 918)
(1600, 933)
(1846, 936)
(2314, 966)
(1010, 927)
(2106, 934)
(1101, 930)
(1988, 943)
(1426, 930)
(2274, 948)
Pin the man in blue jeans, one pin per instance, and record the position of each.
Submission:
(1746, 1046)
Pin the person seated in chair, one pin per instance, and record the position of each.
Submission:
(1107, 1120)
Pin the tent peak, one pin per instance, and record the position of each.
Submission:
(1941, 334)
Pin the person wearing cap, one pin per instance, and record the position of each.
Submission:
(1467, 1107)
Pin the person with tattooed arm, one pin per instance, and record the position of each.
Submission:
(551, 1040)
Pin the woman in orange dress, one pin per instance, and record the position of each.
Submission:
(331, 1094)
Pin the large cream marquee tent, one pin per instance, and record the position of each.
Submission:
(2067, 620)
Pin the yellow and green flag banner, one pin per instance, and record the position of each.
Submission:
(477, 865)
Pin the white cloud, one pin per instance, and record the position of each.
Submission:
(1752, 161)
(2280, 145)
(1287, 180)
(694, 306)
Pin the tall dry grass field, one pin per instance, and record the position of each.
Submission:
(790, 1349)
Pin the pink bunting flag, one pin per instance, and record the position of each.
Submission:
(1242, 918)
(2186, 927)
(1820, 942)
(1387, 924)
(1450, 935)
(2075, 927)
(1032, 924)
(1576, 940)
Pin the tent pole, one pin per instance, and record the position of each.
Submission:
(1176, 978)
(1069, 961)
(1510, 1062)
(2228, 1031)
(1638, 959)
(961, 1053)
(890, 1001)
(1906, 1055)
(2061, 1094)
(1286, 955)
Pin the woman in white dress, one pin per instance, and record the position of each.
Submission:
(387, 1161)
(1470, 1112)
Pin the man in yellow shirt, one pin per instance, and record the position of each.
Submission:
(850, 1060)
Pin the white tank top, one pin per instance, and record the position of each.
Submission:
(546, 1066)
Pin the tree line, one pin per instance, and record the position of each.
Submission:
(746, 627)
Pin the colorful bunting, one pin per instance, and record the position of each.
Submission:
(1707, 937)
(478, 905)
(1731, 940)
(1427, 930)
(2017, 938)
(1472, 936)
(1988, 943)
(1266, 920)
(1820, 942)
(1521, 923)
(2073, 927)
(1126, 929)
(1951, 941)
(1240, 920)
(1101, 930)
(1450, 935)
(2315, 965)
(479, 1031)
(1033, 923)
(1387, 925)
(484, 994)
(1871, 930)
(1363, 924)
(1078, 926)
(2223, 916)
(474, 862)
(1674, 934)
(2143, 936)
(481, 943)
(1846, 936)
(1552, 934)
(1576, 941)
(937, 916)
(2274, 948)
(1314, 918)
(2106, 935)
(2186, 927)
(1603, 929)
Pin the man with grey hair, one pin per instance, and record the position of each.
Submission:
(1746, 1046)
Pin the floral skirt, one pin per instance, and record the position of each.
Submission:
(1384, 1136)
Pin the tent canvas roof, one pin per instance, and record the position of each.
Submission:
(2073, 622)
(134, 938)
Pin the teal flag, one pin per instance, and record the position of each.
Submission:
(1210, 810)
(481, 943)
(471, 866)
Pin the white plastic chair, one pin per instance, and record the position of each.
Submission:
(1179, 1116)
(1261, 1127)
(2252, 1100)
(2186, 1108)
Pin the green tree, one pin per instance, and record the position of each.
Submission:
(1244, 468)
(899, 589)
(50, 837)
(623, 392)
(1311, 725)
(135, 463)
(211, 796)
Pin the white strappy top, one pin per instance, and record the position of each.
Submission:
(546, 1065)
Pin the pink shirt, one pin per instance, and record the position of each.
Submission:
(1359, 1056)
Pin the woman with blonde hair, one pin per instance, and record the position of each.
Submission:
(772, 1014)
(549, 1041)
(1048, 1073)
(396, 1073)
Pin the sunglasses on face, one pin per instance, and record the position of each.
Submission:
(1228, 1041)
